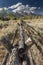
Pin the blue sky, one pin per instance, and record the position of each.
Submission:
(32, 3)
(37, 3)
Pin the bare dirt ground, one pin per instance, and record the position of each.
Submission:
(34, 29)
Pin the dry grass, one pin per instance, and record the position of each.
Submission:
(12, 25)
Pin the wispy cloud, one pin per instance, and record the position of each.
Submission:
(39, 8)
(5, 8)
(0, 9)
(15, 6)
(19, 7)
(33, 8)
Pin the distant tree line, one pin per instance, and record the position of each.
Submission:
(5, 16)
(33, 17)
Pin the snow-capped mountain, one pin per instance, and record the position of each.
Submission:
(20, 9)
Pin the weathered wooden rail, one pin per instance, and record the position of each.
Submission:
(22, 39)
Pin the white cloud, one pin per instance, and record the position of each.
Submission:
(33, 8)
(14, 6)
(19, 7)
(0, 9)
(38, 7)
(24, 8)
(33, 11)
(4, 8)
